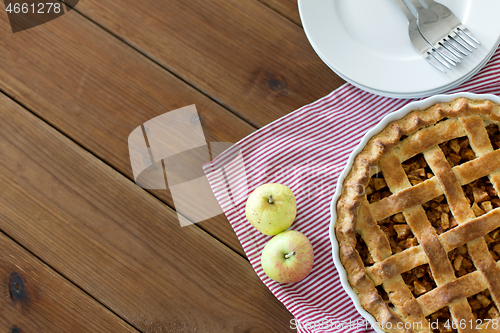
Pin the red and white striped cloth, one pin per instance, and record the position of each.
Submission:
(306, 150)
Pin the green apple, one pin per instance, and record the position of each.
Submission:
(271, 208)
(288, 257)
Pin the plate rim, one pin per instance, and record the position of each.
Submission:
(422, 94)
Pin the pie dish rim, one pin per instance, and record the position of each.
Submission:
(419, 105)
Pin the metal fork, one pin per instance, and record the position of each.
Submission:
(440, 29)
(452, 21)
(427, 51)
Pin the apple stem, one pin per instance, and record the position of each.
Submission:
(271, 200)
(290, 255)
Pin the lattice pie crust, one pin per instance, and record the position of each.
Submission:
(418, 221)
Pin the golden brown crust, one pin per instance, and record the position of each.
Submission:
(407, 198)
(377, 243)
(480, 167)
(466, 286)
(467, 232)
(425, 130)
(397, 264)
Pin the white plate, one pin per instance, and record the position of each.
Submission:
(366, 42)
(426, 93)
(423, 104)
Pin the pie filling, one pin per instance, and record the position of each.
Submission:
(494, 134)
(419, 280)
(398, 232)
(417, 170)
(493, 241)
(384, 296)
(482, 198)
(377, 188)
(363, 251)
(461, 261)
(483, 306)
(441, 321)
(457, 151)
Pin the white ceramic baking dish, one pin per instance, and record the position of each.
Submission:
(418, 105)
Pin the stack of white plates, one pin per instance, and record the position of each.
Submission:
(366, 43)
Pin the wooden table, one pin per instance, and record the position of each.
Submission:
(83, 248)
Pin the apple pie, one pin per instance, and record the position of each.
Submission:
(418, 223)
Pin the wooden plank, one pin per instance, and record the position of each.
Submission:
(37, 299)
(242, 53)
(287, 8)
(97, 90)
(121, 245)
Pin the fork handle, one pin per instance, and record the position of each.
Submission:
(405, 10)
(416, 4)
(429, 2)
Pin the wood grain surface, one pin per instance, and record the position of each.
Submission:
(71, 91)
(287, 8)
(241, 53)
(96, 90)
(121, 245)
(37, 299)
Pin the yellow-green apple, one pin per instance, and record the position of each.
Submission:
(271, 208)
(288, 257)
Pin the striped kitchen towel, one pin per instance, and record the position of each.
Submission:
(306, 150)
